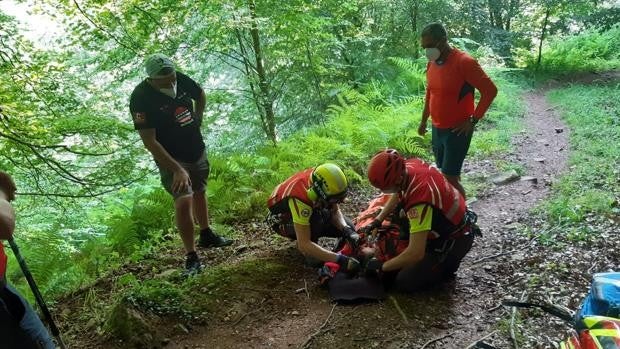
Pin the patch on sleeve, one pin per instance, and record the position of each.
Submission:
(139, 117)
(305, 212)
(413, 213)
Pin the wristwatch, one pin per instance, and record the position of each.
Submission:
(473, 120)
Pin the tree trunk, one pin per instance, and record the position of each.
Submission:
(542, 36)
(414, 10)
(317, 79)
(263, 83)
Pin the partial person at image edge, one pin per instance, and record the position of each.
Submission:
(20, 326)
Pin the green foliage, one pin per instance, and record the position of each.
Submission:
(157, 296)
(503, 119)
(591, 50)
(591, 187)
(150, 219)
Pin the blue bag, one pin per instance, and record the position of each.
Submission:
(604, 297)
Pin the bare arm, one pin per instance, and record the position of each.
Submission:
(181, 179)
(388, 208)
(309, 248)
(411, 255)
(7, 217)
(338, 218)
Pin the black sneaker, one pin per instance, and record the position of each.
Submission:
(209, 239)
(192, 264)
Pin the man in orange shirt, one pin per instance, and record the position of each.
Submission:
(452, 75)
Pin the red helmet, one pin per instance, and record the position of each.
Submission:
(385, 169)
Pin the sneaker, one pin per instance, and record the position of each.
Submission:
(209, 239)
(192, 264)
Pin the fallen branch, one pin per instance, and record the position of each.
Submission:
(310, 338)
(494, 308)
(400, 311)
(437, 339)
(306, 289)
(475, 343)
(503, 253)
(513, 334)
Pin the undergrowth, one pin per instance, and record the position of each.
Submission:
(589, 51)
(589, 191)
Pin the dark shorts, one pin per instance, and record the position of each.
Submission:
(450, 150)
(198, 173)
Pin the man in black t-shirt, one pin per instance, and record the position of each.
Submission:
(167, 109)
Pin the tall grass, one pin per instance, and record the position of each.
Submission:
(589, 51)
(592, 185)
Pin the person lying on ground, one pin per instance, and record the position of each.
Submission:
(306, 207)
(423, 228)
(20, 326)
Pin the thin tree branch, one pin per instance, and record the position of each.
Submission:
(117, 40)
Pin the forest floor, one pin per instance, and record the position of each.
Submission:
(286, 308)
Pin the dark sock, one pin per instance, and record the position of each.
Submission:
(191, 254)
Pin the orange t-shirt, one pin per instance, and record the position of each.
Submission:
(450, 89)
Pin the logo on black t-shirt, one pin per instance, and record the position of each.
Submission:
(139, 117)
(183, 116)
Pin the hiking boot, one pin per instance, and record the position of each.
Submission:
(192, 264)
(209, 239)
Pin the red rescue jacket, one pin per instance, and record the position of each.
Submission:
(295, 187)
(426, 185)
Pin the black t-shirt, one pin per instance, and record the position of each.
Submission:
(177, 128)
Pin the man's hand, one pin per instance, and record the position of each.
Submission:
(180, 181)
(7, 186)
(466, 127)
(422, 128)
(349, 265)
(367, 229)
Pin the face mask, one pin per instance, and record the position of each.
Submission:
(171, 92)
(432, 53)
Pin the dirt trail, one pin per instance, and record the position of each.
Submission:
(461, 311)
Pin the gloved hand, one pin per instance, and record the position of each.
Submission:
(370, 227)
(373, 267)
(349, 265)
(351, 236)
(327, 272)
